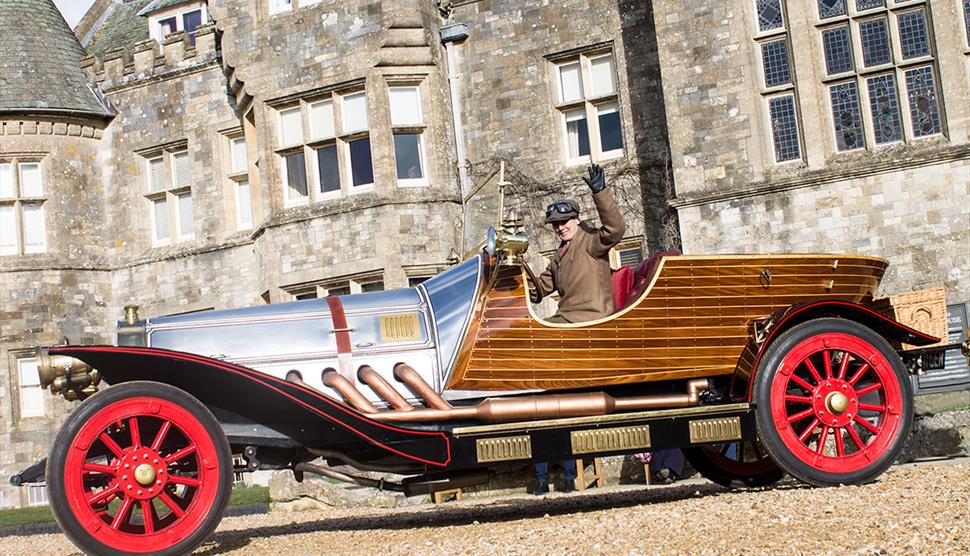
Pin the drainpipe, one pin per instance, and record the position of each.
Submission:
(451, 35)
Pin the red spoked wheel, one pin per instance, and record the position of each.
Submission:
(735, 463)
(834, 402)
(140, 468)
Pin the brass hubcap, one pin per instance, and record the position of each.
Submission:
(836, 402)
(145, 474)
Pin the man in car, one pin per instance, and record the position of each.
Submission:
(580, 272)
(580, 269)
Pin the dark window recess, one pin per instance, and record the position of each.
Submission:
(966, 18)
(360, 162)
(784, 129)
(913, 40)
(774, 54)
(611, 137)
(884, 106)
(296, 174)
(845, 114)
(306, 295)
(342, 290)
(924, 107)
(830, 8)
(415, 280)
(769, 14)
(838, 52)
(632, 256)
(328, 169)
(167, 26)
(190, 21)
(407, 151)
(377, 286)
(861, 5)
(874, 35)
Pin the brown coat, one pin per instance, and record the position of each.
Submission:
(582, 273)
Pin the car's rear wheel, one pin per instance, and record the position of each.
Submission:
(732, 464)
(834, 402)
(141, 467)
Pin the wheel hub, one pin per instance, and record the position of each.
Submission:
(145, 474)
(835, 402)
(142, 473)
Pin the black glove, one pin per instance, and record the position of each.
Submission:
(596, 181)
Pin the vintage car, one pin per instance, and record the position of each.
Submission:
(755, 365)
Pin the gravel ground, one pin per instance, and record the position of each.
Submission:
(911, 509)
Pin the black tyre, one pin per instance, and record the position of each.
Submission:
(733, 464)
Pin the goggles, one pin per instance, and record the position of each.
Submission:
(562, 207)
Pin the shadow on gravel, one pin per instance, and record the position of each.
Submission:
(503, 510)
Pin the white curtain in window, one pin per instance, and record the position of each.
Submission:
(291, 127)
(239, 157)
(577, 134)
(405, 106)
(354, 112)
(34, 237)
(6, 181)
(180, 163)
(31, 395)
(244, 206)
(321, 120)
(8, 230)
(602, 76)
(156, 174)
(186, 215)
(30, 182)
(571, 82)
(160, 208)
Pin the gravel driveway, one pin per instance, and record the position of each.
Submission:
(911, 509)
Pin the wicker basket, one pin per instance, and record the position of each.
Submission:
(924, 310)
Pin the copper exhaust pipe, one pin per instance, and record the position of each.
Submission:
(371, 378)
(333, 379)
(413, 380)
(691, 398)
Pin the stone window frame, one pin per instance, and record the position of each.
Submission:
(418, 128)
(178, 14)
(590, 106)
(770, 93)
(171, 192)
(620, 253)
(238, 178)
(35, 494)
(13, 201)
(360, 282)
(17, 358)
(418, 273)
(310, 143)
(862, 77)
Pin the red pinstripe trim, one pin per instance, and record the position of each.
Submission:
(248, 373)
(757, 360)
(339, 319)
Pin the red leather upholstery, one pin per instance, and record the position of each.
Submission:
(622, 281)
(644, 274)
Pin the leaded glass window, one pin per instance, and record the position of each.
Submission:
(769, 15)
(913, 40)
(838, 52)
(861, 5)
(848, 120)
(830, 8)
(924, 109)
(966, 18)
(874, 34)
(775, 57)
(784, 128)
(884, 107)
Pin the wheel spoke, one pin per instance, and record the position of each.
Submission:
(871, 388)
(808, 431)
(811, 368)
(147, 515)
(172, 504)
(99, 468)
(839, 446)
(124, 513)
(800, 415)
(827, 359)
(844, 366)
(855, 436)
(187, 481)
(801, 382)
(181, 453)
(797, 399)
(872, 407)
(858, 374)
(135, 432)
(865, 424)
(822, 439)
(104, 496)
(111, 445)
(160, 437)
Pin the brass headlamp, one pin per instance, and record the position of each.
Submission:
(72, 378)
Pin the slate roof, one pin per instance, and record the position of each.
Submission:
(157, 5)
(40, 62)
(123, 27)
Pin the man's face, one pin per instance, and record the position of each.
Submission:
(566, 230)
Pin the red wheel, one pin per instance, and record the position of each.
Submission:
(834, 402)
(140, 468)
(744, 463)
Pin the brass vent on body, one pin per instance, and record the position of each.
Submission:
(604, 440)
(715, 430)
(400, 328)
(505, 448)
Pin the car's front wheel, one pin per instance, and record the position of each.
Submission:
(141, 467)
(834, 404)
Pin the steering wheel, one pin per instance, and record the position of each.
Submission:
(535, 281)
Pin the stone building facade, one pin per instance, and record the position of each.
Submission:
(238, 152)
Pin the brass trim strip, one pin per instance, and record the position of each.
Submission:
(715, 430)
(607, 440)
(598, 419)
(506, 448)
